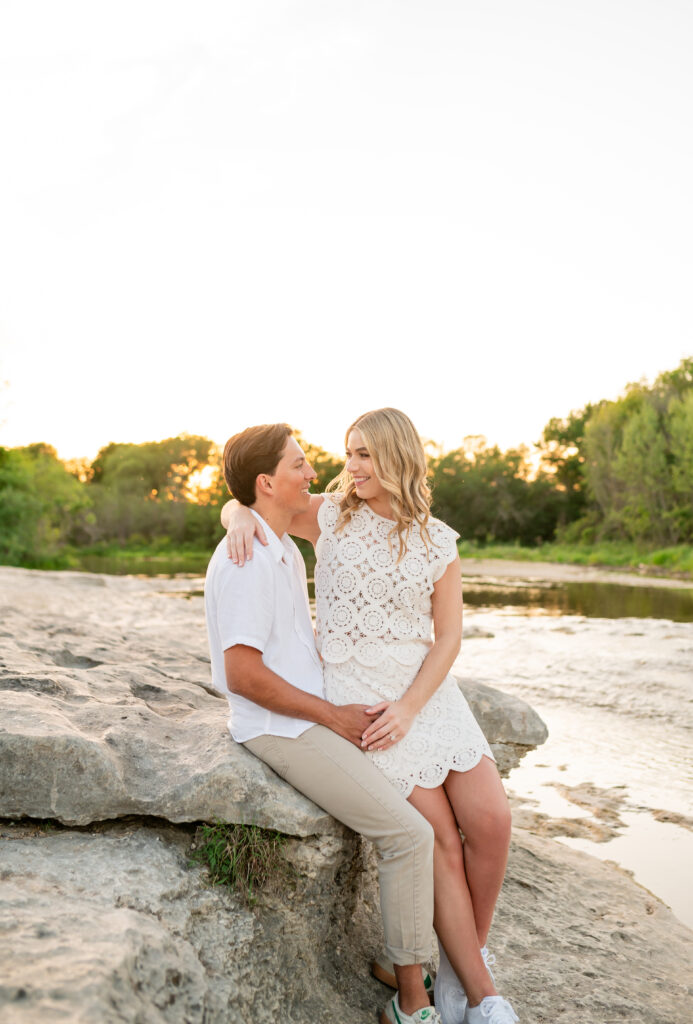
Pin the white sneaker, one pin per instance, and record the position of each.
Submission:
(449, 995)
(491, 1010)
(392, 1014)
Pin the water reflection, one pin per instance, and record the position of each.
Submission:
(593, 600)
(158, 565)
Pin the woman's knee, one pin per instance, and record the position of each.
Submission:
(492, 826)
(448, 854)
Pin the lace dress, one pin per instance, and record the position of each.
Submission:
(374, 623)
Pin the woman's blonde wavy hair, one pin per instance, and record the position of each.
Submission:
(399, 461)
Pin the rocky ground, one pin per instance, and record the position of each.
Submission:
(113, 747)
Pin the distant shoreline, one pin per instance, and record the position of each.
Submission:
(673, 562)
(555, 563)
(564, 572)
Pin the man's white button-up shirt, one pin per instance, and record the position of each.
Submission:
(263, 604)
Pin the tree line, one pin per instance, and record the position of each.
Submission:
(615, 470)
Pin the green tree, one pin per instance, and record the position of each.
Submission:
(562, 452)
(602, 444)
(489, 495)
(673, 384)
(155, 491)
(681, 441)
(155, 469)
(636, 461)
(40, 506)
(642, 470)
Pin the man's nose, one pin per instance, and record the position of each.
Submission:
(310, 472)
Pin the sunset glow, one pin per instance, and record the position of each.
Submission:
(236, 213)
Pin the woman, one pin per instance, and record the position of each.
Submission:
(386, 572)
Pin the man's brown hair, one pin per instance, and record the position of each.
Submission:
(255, 450)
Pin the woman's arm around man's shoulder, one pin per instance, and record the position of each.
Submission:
(242, 527)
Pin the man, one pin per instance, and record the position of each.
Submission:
(264, 657)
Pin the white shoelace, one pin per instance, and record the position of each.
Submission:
(498, 1010)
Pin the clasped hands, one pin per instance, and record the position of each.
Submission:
(377, 727)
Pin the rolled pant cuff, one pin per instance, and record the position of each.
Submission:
(406, 958)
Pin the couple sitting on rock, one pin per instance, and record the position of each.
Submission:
(374, 728)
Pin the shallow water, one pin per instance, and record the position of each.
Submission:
(617, 697)
(601, 600)
(594, 600)
(159, 566)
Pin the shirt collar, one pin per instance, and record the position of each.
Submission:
(278, 546)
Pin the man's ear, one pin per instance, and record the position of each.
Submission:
(263, 484)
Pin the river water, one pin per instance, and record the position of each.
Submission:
(610, 670)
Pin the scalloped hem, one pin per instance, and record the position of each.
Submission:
(408, 653)
(406, 785)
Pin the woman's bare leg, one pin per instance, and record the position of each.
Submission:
(453, 910)
(482, 811)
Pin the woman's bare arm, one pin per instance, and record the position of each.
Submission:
(305, 525)
(242, 527)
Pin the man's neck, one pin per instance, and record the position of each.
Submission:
(276, 518)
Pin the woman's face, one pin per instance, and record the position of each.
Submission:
(360, 465)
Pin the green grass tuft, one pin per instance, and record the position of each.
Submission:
(245, 858)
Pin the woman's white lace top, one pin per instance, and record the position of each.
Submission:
(374, 622)
(369, 606)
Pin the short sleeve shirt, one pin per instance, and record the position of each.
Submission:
(262, 604)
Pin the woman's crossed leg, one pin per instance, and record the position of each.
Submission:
(467, 876)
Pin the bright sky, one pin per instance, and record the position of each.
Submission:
(221, 213)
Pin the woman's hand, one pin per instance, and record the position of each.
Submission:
(241, 529)
(393, 722)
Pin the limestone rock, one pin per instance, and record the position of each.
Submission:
(71, 959)
(510, 724)
(107, 710)
(119, 926)
(116, 925)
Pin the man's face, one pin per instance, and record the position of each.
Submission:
(291, 479)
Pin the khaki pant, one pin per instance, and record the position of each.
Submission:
(338, 777)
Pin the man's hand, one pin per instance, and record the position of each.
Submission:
(350, 721)
(247, 674)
